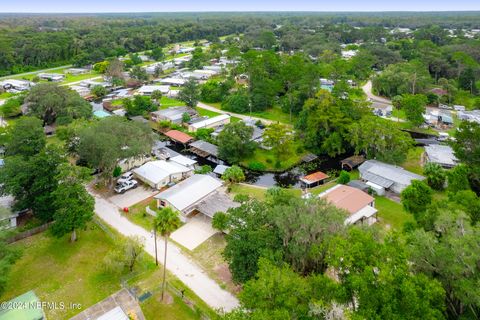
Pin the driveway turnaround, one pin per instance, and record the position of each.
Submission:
(181, 266)
(194, 233)
(132, 196)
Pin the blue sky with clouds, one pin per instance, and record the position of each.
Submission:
(228, 5)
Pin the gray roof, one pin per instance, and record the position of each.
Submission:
(216, 202)
(189, 192)
(358, 184)
(173, 113)
(206, 147)
(441, 154)
(386, 175)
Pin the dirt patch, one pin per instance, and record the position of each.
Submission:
(224, 274)
(167, 299)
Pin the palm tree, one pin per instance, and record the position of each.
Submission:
(165, 223)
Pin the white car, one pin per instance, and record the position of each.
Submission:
(127, 176)
(127, 185)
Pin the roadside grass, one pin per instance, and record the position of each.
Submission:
(413, 162)
(391, 214)
(60, 271)
(138, 214)
(268, 159)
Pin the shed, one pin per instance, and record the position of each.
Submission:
(210, 123)
(314, 179)
(220, 169)
(442, 155)
(178, 136)
(204, 149)
(352, 162)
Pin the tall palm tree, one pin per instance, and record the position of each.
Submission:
(165, 223)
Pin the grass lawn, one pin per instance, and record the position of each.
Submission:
(257, 192)
(275, 114)
(69, 78)
(391, 214)
(138, 215)
(267, 158)
(167, 102)
(60, 271)
(413, 162)
(208, 113)
(5, 95)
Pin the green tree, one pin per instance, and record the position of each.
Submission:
(12, 107)
(74, 205)
(220, 221)
(414, 108)
(190, 94)
(469, 202)
(53, 103)
(186, 117)
(111, 139)
(234, 142)
(450, 254)
(435, 175)
(156, 95)
(214, 90)
(280, 138)
(457, 178)
(25, 138)
(344, 177)
(139, 73)
(234, 174)
(127, 253)
(157, 54)
(140, 105)
(165, 223)
(467, 148)
(238, 102)
(8, 255)
(135, 59)
(416, 197)
(99, 91)
(380, 139)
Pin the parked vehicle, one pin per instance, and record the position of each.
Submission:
(123, 187)
(127, 176)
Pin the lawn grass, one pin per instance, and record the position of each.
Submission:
(60, 271)
(413, 162)
(257, 192)
(391, 214)
(69, 78)
(268, 159)
(5, 95)
(138, 214)
(167, 102)
(275, 114)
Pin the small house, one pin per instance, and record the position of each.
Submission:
(359, 205)
(172, 114)
(178, 136)
(210, 123)
(54, 77)
(314, 179)
(440, 154)
(148, 90)
(159, 173)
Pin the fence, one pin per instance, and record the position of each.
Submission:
(28, 233)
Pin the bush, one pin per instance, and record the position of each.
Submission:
(435, 175)
(117, 172)
(344, 177)
(256, 166)
(204, 169)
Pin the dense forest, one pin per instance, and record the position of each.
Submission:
(29, 42)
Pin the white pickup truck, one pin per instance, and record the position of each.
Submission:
(125, 186)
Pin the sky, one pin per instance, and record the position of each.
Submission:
(235, 5)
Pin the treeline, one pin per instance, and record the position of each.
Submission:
(29, 42)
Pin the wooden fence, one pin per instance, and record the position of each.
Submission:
(28, 233)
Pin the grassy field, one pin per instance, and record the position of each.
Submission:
(5, 95)
(413, 162)
(257, 192)
(268, 159)
(167, 102)
(60, 271)
(391, 214)
(274, 114)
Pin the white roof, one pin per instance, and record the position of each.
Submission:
(177, 81)
(190, 191)
(365, 212)
(220, 169)
(15, 82)
(441, 154)
(156, 171)
(386, 175)
(150, 89)
(210, 121)
(114, 314)
(182, 160)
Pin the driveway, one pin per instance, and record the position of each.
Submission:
(192, 275)
(132, 196)
(195, 232)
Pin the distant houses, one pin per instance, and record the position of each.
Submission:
(54, 77)
(382, 177)
(15, 86)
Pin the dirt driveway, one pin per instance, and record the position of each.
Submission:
(195, 232)
(133, 196)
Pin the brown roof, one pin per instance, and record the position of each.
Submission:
(315, 177)
(178, 136)
(348, 198)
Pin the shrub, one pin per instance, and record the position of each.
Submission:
(117, 172)
(344, 177)
(256, 166)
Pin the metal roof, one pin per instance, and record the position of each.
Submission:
(441, 154)
(216, 202)
(205, 147)
(386, 175)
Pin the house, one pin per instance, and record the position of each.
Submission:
(82, 91)
(352, 162)
(178, 136)
(314, 179)
(77, 71)
(91, 83)
(382, 176)
(172, 114)
(348, 54)
(148, 90)
(54, 77)
(458, 108)
(8, 219)
(133, 162)
(210, 123)
(197, 194)
(177, 82)
(440, 154)
(472, 116)
(326, 84)
(359, 205)
(184, 161)
(159, 173)
(29, 307)
(14, 85)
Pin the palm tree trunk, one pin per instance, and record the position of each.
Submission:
(164, 266)
(73, 237)
(156, 255)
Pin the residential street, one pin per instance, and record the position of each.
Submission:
(241, 116)
(367, 88)
(177, 263)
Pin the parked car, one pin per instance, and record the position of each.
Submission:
(123, 187)
(127, 176)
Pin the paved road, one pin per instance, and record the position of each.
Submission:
(367, 88)
(181, 266)
(34, 72)
(241, 116)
